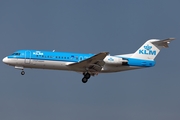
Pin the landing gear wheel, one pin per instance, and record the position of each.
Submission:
(84, 80)
(22, 72)
(87, 75)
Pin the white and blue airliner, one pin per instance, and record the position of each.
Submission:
(87, 64)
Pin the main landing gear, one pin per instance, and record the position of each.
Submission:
(22, 72)
(86, 77)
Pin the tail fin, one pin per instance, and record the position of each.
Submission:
(150, 49)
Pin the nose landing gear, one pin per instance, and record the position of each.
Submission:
(20, 68)
(22, 72)
(86, 77)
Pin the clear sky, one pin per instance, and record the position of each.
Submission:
(90, 26)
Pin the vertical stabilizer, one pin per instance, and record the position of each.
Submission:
(150, 49)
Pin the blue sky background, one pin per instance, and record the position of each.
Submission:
(90, 26)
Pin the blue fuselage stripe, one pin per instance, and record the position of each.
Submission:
(51, 56)
(70, 57)
(42, 59)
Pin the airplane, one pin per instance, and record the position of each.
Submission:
(88, 64)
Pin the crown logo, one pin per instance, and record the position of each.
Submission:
(147, 47)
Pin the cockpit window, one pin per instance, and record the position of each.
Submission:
(18, 54)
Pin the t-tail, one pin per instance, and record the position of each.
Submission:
(150, 49)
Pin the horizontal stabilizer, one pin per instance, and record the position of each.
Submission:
(163, 43)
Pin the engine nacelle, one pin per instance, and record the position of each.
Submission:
(111, 60)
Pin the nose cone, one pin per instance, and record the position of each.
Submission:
(5, 60)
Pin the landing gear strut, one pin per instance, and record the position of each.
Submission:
(22, 72)
(86, 77)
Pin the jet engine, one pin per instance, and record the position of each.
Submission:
(110, 60)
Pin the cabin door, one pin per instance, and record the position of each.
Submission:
(27, 57)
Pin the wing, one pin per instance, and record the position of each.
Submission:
(92, 64)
